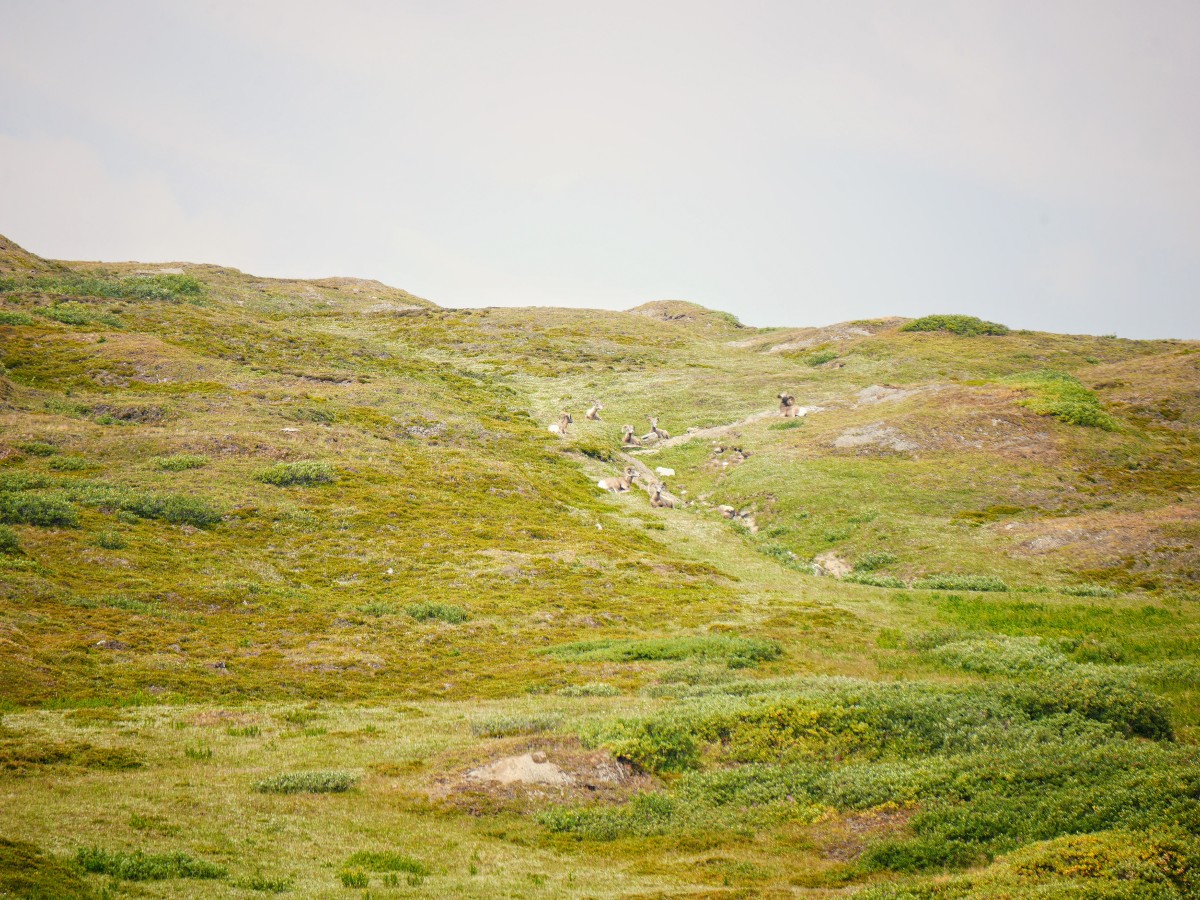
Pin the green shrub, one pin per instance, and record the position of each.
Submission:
(445, 612)
(304, 473)
(138, 287)
(1088, 590)
(1063, 396)
(36, 509)
(199, 752)
(139, 866)
(181, 462)
(355, 879)
(178, 509)
(870, 562)
(786, 424)
(69, 313)
(509, 724)
(821, 357)
(736, 651)
(243, 731)
(960, 583)
(69, 464)
(595, 449)
(966, 326)
(378, 608)
(10, 545)
(385, 861)
(307, 783)
(266, 884)
(38, 448)
(875, 579)
(8, 317)
(591, 689)
(110, 540)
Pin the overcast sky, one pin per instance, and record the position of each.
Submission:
(795, 163)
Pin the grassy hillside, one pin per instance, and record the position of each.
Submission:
(299, 594)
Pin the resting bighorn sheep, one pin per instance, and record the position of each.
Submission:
(619, 485)
(788, 408)
(628, 438)
(560, 427)
(660, 500)
(660, 433)
(593, 414)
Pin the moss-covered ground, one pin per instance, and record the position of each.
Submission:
(282, 561)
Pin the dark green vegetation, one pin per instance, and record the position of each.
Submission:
(282, 562)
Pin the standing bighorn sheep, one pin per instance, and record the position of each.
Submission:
(660, 434)
(560, 427)
(628, 438)
(788, 408)
(619, 485)
(593, 414)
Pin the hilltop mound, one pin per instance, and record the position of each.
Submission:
(16, 260)
(686, 312)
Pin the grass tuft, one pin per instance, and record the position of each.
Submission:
(139, 866)
(304, 474)
(307, 783)
(444, 612)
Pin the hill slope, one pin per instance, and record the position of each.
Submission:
(261, 527)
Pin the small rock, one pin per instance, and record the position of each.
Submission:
(727, 511)
(112, 645)
(664, 471)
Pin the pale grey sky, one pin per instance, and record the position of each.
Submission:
(1030, 161)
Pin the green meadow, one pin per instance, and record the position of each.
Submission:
(300, 596)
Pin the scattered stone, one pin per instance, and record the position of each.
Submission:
(110, 644)
(664, 472)
(878, 435)
(829, 563)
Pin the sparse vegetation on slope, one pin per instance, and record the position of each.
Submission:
(290, 571)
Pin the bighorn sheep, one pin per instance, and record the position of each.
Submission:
(660, 500)
(659, 433)
(619, 485)
(593, 414)
(628, 438)
(560, 427)
(788, 408)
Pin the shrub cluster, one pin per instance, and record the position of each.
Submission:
(445, 612)
(141, 287)
(139, 866)
(307, 783)
(1063, 396)
(181, 462)
(306, 473)
(966, 326)
(735, 651)
(960, 583)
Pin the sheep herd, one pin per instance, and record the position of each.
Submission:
(622, 483)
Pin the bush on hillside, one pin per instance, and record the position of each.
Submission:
(966, 326)
(306, 473)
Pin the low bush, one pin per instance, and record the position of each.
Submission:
(304, 474)
(354, 879)
(12, 317)
(444, 612)
(138, 287)
(591, 689)
(960, 583)
(378, 608)
(307, 783)
(10, 545)
(110, 540)
(181, 462)
(870, 562)
(69, 464)
(509, 724)
(1063, 396)
(965, 326)
(821, 357)
(37, 509)
(735, 651)
(874, 579)
(139, 866)
(1089, 590)
(385, 861)
(266, 884)
(37, 448)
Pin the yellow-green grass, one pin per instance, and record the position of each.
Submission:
(398, 623)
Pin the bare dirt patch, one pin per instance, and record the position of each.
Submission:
(532, 772)
(848, 837)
